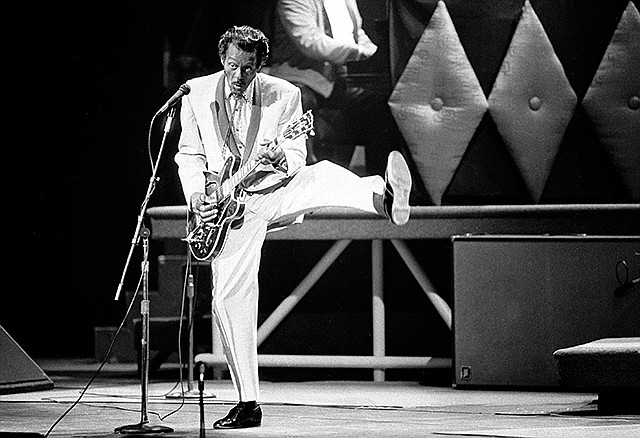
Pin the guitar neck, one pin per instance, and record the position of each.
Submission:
(296, 129)
(230, 184)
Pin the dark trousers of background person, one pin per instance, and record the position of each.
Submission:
(351, 116)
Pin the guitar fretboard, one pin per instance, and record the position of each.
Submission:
(302, 126)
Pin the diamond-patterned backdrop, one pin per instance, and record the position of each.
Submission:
(518, 102)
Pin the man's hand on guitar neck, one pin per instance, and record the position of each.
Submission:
(203, 206)
(272, 154)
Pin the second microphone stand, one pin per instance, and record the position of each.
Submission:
(191, 392)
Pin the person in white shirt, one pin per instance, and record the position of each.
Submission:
(313, 43)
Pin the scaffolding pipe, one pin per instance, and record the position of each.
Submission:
(301, 290)
(377, 287)
(318, 361)
(441, 305)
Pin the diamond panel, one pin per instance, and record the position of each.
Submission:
(532, 101)
(613, 100)
(438, 103)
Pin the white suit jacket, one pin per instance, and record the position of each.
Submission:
(204, 120)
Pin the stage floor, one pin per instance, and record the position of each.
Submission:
(301, 409)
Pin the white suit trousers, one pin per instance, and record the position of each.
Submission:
(235, 271)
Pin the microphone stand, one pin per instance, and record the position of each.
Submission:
(143, 427)
(201, 368)
(191, 392)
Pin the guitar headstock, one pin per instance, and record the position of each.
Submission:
(301, 126)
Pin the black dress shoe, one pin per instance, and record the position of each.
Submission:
(397, 189)
(244, 414)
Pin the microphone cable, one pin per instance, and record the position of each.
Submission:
(103, 363)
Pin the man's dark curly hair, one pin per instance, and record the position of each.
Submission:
(248, 39)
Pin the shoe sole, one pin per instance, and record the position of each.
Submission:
(241, 426)
(399, 178)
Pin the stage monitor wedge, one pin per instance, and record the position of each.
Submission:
(18, 372)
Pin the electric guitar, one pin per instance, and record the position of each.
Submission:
(206, 239)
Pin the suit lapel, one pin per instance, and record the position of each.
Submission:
(325, 18)
(223, 130)
(354, 21)
(256, 116)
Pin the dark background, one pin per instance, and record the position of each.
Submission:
(84, 81)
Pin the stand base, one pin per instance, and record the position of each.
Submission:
(142, 428)
(190, 393)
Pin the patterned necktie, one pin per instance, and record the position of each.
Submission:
(238, 121)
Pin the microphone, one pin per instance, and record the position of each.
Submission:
(182, 91)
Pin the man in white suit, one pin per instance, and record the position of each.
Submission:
(236, 114)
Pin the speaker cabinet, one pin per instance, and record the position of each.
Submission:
(517, 299)
(18, 372)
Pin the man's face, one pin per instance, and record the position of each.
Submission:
(240, 68)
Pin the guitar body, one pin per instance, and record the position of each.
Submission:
(207, 239)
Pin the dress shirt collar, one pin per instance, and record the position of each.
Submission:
(246, 95)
